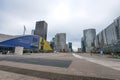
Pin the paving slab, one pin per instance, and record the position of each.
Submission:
(5, 75)
(78, 69)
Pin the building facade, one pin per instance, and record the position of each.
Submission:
(28, 42)
(70, 47)
(108, 40)
(60, 42)
(41, 29)
(82, 44)
(32, 32)
(89, 36)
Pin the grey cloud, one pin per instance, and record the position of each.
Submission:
(83, 14)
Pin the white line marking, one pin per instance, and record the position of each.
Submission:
(110, 64)
(77, 56)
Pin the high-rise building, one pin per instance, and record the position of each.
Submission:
(60, 42)
(70, 47)
(89, 36)
(32, 32)
(52, 43)
(82, 44)
(41, 29)
(79, 50)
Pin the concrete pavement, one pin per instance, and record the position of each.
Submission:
(105, 62)
(78, 69)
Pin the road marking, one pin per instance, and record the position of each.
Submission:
(77, 56)
(110, 64)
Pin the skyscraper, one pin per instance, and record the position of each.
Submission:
(32, 32)
(89, 36)
(41, 29)
(70, 47)
(60, 42)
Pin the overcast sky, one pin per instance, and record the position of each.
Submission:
(63, 16)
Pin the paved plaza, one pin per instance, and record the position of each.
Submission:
(59, 66)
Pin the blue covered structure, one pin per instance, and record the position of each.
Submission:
(27, 41)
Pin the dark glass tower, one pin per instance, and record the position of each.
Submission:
(41, 29)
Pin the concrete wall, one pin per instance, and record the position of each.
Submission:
(18, 50)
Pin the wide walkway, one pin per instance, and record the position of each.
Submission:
(104, 60)
(58, 66)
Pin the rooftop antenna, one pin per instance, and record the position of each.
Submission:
(24, 30)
